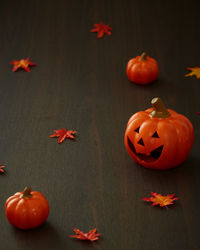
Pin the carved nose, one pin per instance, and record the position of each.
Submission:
(141, 142)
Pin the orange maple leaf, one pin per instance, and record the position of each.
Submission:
(161, 200)
(23, 63)
(194, 72)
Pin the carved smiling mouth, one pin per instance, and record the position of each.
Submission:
(154, 155)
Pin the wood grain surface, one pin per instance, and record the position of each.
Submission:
(80, 83)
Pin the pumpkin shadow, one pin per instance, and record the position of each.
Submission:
(162, 180)
(155, 84)
(87, 243)
(43, 237)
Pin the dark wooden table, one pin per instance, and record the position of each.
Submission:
(80, 83)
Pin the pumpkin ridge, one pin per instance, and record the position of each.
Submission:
(16, 211)
(175, 138)
(10, 209)
(10, 199)
(186, 120)
(138, 116)
(179, 157)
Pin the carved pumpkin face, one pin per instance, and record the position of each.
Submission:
(159, 142)
(145, 153)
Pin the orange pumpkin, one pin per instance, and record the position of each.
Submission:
(158, 138)
(27, 209)
(142, 69)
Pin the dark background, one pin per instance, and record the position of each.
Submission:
(80, 83)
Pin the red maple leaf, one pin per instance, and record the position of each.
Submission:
(102, 29)
(161, 200)
(1, 168)
(91, 235)
(63, 134)
(23, 63)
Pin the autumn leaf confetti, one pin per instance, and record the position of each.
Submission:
(161, 200)
(194, 72)
(91, 235)
(23, 63)
(101, 29)
(63, 134)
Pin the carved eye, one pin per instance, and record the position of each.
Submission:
(141, 142)
(155, 135)
(137, 130)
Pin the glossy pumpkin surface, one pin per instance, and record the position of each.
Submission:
(27, 209)
(142, 69)
(158, 138)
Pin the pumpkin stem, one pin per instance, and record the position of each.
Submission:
(160, 110)
(26, 193)
(143, 57)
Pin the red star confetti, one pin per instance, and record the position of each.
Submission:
(194, 72)
(1, 168)
(91, 235)
(102, 29)
(159, 199)
(23, 63)
(63, 134)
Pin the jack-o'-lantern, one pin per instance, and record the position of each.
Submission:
(158, 138)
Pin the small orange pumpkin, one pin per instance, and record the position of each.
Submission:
(27, 209)
(142, 69)
(158, 138)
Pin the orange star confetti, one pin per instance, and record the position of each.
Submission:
(194, 72)
(23, 63)
(91, 235)
(63, 134)
(102, 29)
(161, 200)
(1, 168)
